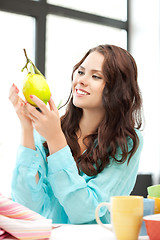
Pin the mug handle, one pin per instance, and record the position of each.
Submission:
(108, 205)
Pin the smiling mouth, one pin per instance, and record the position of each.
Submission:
(82, 92)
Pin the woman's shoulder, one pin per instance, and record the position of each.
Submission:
(139, 133)
(140, 136)
(140, 140)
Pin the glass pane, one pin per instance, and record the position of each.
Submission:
(66, 46)
(17, 32)
(116, 9)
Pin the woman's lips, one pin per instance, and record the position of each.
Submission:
(82, 92)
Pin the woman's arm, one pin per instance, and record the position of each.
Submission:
(27, 139)
(25, 189)
(80, 194)
(19, 105)
(47, 123)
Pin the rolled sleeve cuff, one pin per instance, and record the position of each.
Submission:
(28, 157)
(60, 160)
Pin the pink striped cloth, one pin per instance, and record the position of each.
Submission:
(21, 222)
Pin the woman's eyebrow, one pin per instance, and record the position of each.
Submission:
(81, 67)
(92, 70)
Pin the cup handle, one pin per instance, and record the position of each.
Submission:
(108, 205)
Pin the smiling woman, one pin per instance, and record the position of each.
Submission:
(33, 24)
(88, 83)
(66, 166)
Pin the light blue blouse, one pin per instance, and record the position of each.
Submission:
(64, 195)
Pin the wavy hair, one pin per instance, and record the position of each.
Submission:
(122, 102)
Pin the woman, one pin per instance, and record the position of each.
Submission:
(67, 166)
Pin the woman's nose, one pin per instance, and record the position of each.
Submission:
(83, 80)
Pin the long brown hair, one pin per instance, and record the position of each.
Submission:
(122, 102)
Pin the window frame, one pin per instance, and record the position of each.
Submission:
(40, 9)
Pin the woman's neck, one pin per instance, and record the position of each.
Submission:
(89, 122)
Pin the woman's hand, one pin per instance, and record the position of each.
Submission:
(47, 123)
(20, 107)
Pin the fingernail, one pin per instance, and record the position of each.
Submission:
(31, 96)
(22, 104)
(17, 90)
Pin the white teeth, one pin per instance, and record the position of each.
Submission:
(81, 92)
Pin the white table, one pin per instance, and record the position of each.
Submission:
(84, 232)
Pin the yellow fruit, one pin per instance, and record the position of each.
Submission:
(36, 84)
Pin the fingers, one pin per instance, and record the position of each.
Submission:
(41, 105)
(52, 105)
(32, 112)
(13, 94)
(18, 107)
(13, 89)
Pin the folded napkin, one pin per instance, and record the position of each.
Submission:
(3, 234)
(21, 222)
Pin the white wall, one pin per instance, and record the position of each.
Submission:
(145, 47)
(14, 37)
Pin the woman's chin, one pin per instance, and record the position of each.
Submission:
(77, 104)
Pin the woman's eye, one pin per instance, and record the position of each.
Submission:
(80, 72)
(96, 77)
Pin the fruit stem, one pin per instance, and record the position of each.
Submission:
(26, 62)
(25, 55)
(29, 61)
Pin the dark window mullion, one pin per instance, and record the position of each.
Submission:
(87, 17)
(25, 7)
(40, 38)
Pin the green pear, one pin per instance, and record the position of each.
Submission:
(35, 84)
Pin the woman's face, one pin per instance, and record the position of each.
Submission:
(88, 83)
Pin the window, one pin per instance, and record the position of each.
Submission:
(53, 36)
(17, 32)
(116, 9)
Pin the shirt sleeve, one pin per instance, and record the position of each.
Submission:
(80, 194)
(25, 190)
